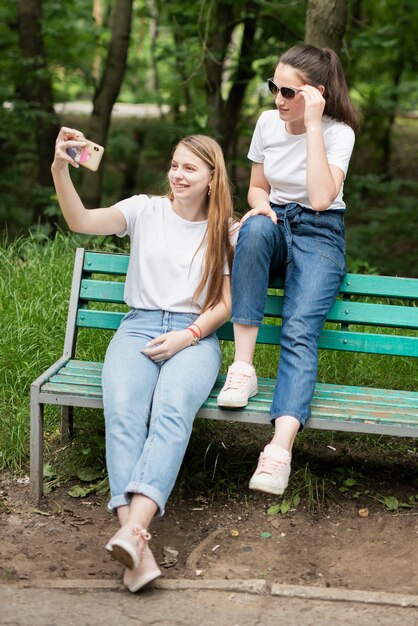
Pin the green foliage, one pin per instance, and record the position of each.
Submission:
(170, 45)
(35, 284)
(383, 65)
(353, 487)
(382, 223)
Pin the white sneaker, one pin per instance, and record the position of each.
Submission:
(240, 384)
(273, 470)
(145, 572)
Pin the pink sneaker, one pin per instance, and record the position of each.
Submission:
(240, 384)
(146, 571)
(128, 544)
(273, 470)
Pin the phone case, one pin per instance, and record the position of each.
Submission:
(89, 156)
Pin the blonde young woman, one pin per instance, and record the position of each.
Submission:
(164, 359)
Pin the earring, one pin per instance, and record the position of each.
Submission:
(210, 189)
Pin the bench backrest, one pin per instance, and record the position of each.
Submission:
(373, 314)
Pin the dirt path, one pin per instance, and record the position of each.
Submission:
(227, 539)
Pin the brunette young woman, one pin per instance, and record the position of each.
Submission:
(300, 152)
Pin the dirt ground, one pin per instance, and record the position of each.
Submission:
(230, 537)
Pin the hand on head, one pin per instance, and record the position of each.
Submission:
(314, 104)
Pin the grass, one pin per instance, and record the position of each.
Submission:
(35, 286)
(34, 290)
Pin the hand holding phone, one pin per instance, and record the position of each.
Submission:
(89, 156)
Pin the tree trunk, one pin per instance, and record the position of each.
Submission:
(394, 98)
(35, 87)
(241, 77)
(184, 84)
(215, 50)
(326, 23)
(107, 92)
(98, 12)
(154, 80)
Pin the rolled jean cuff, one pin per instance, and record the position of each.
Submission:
(117, 501)
(140, 488)
(245, 322)
(150, 492)
(291, 413)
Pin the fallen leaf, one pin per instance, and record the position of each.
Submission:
(273, 510)
(39, 512)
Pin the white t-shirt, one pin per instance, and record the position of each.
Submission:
(284, 156)
(166, 259)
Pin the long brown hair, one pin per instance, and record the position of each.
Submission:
(322, 66)
(220, 216)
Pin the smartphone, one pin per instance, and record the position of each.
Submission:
(88, 156)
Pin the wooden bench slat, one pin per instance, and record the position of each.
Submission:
(102, 291)
(68, 388)
(369, 343)
(344, 340)
(71, 379)
(104, 320)
(106, 263)
(380, 286)
(372, 286)
(360, 313)
(366, 314)
(73, 373)
(334, 389)
(359, 391)
(334, 412)
(85, 365)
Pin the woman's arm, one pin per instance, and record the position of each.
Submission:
(106, 221)
(258, 194)
(323, 180)
(165, 346)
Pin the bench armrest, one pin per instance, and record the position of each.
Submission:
(49, 372)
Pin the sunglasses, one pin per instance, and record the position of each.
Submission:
(288, 93)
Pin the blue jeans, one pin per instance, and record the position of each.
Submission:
(307, 248)
(150, 408)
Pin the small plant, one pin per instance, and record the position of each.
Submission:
(303, 486)
(286, 505)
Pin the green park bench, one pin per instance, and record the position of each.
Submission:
(358, 322)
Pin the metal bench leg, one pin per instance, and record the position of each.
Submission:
(36, 446)
(67, 423)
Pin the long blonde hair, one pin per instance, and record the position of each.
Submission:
(220, 216)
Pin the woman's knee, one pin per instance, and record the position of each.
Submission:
(301, 331)
(257, 230)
